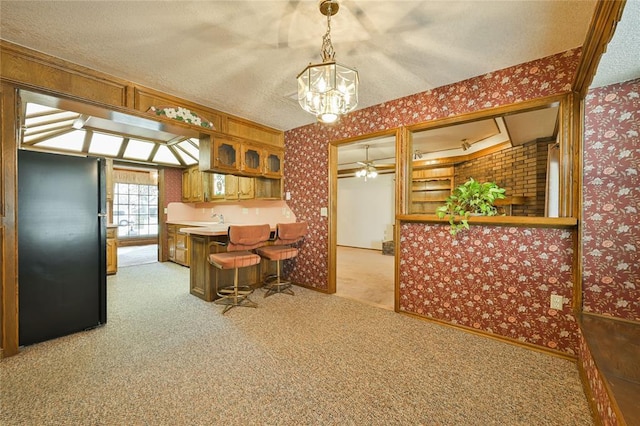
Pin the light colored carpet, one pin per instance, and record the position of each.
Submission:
(166, 357)
(137, 255)
(366, 276)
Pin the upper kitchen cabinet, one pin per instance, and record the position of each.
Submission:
(273, 163)
(244, 158)
(198, 186)
(251, 159)
(223, 155)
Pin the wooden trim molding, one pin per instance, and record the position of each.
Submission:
(606, 16)
(8, 227)
(517, 221)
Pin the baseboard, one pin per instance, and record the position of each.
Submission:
(586, 387)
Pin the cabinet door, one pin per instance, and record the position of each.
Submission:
(195, 181)
(273, 163)
(171, 242)
(251, 159)
(214, 186)
(246, 188)
(182, 248)
(225, 155)
(186, 186)
(112, 252)
(231, 187)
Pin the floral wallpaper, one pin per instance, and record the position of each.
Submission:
(596, 385)
(611, 229)
(495, 279)
(172, 185)
(306, 148)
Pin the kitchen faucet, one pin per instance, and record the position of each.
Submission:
(219, 216)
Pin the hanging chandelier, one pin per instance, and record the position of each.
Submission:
(328, 90)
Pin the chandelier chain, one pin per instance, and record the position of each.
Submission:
(327, 47)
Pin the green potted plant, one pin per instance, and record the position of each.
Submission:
(472, 198)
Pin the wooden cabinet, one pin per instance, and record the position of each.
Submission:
(171, 242)
(199, 186)
(178, 244)
(112, 250)
(224, 155)
(273, 163)
(239, 188)
(251, 159)
(242, 158)
(430, 188)
(268, 189)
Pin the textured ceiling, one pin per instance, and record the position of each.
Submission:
(242, 57)
(621, 61)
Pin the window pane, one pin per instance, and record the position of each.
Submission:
(138, 149)
(134, 211)
(102, 144)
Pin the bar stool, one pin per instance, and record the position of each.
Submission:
(287, 234)
(241, 240)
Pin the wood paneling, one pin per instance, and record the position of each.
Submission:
(8, 225)
(32, 69)
(249, 130)
(517, 221)
(603, 25)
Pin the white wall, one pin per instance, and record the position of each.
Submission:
(366, 211)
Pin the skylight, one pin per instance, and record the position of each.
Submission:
(57, 130)
(138, 150)
(102, 144)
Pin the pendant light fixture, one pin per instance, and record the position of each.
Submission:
(328, 90)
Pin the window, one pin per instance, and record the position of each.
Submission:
(135, 209)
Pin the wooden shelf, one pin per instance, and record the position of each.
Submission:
(430, 188)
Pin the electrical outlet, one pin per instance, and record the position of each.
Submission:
(556, 302)
(257, 211)
(323, 211)
(245, 210)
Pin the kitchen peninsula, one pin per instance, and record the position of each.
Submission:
(195, 231)
(205, 279)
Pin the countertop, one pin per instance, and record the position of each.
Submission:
(211, 229)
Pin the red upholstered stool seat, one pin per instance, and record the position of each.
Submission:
(277, 252)
(287, 234)
(241, 239)
(235, 259)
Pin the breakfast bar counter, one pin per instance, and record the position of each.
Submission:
(205, 279)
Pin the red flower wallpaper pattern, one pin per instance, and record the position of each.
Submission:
(173, 186)
(495, 279)
(306, 148)
(611, 225)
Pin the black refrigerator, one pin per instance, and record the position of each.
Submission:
(62, 280)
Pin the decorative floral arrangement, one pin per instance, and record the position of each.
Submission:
(182, 114)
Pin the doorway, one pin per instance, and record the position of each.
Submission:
(363, 199)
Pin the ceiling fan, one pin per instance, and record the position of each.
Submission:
(368, 170)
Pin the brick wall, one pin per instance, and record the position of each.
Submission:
(521, 170)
